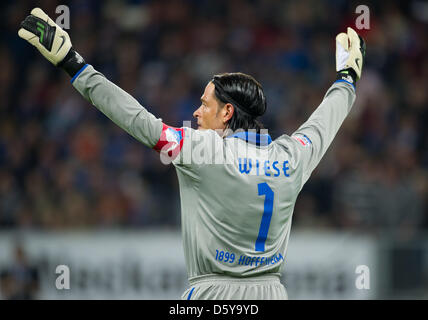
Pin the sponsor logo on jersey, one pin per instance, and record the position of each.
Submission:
(303, 139)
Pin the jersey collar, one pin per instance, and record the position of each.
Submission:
(253, 137)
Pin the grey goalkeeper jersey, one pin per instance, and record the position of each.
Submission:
(237, 192)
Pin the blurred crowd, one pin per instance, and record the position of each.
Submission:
(64, 165)
(20, 279)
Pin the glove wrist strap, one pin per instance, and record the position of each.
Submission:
(72, 63)
(348, 75)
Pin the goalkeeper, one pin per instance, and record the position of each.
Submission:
(236, 215)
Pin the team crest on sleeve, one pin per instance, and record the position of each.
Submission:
(303, 139)
(171, 141)
(174, 137)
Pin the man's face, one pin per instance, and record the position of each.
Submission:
(211, 115)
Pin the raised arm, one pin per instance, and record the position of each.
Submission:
(315, 136)
(55, 45)
(119, 106)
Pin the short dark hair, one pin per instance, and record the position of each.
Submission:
(246, 95)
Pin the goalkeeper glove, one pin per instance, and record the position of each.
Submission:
(51, 40)
(350, 54)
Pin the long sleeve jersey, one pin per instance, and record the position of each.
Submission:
(237, 192)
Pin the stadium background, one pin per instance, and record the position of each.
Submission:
(67, 172)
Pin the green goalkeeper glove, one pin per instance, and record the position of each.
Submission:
(51, 40)
(350, 54)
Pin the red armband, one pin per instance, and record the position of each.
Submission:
(170, 141)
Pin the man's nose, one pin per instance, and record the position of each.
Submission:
(197, 113)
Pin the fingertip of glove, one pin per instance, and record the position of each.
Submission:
(342, 39)
(341, 36)
(23, 33)
(37, 12)
(354, 36)
(351, 32)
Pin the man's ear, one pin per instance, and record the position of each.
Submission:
(228, 111)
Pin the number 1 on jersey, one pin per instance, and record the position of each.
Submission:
(264, 189)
